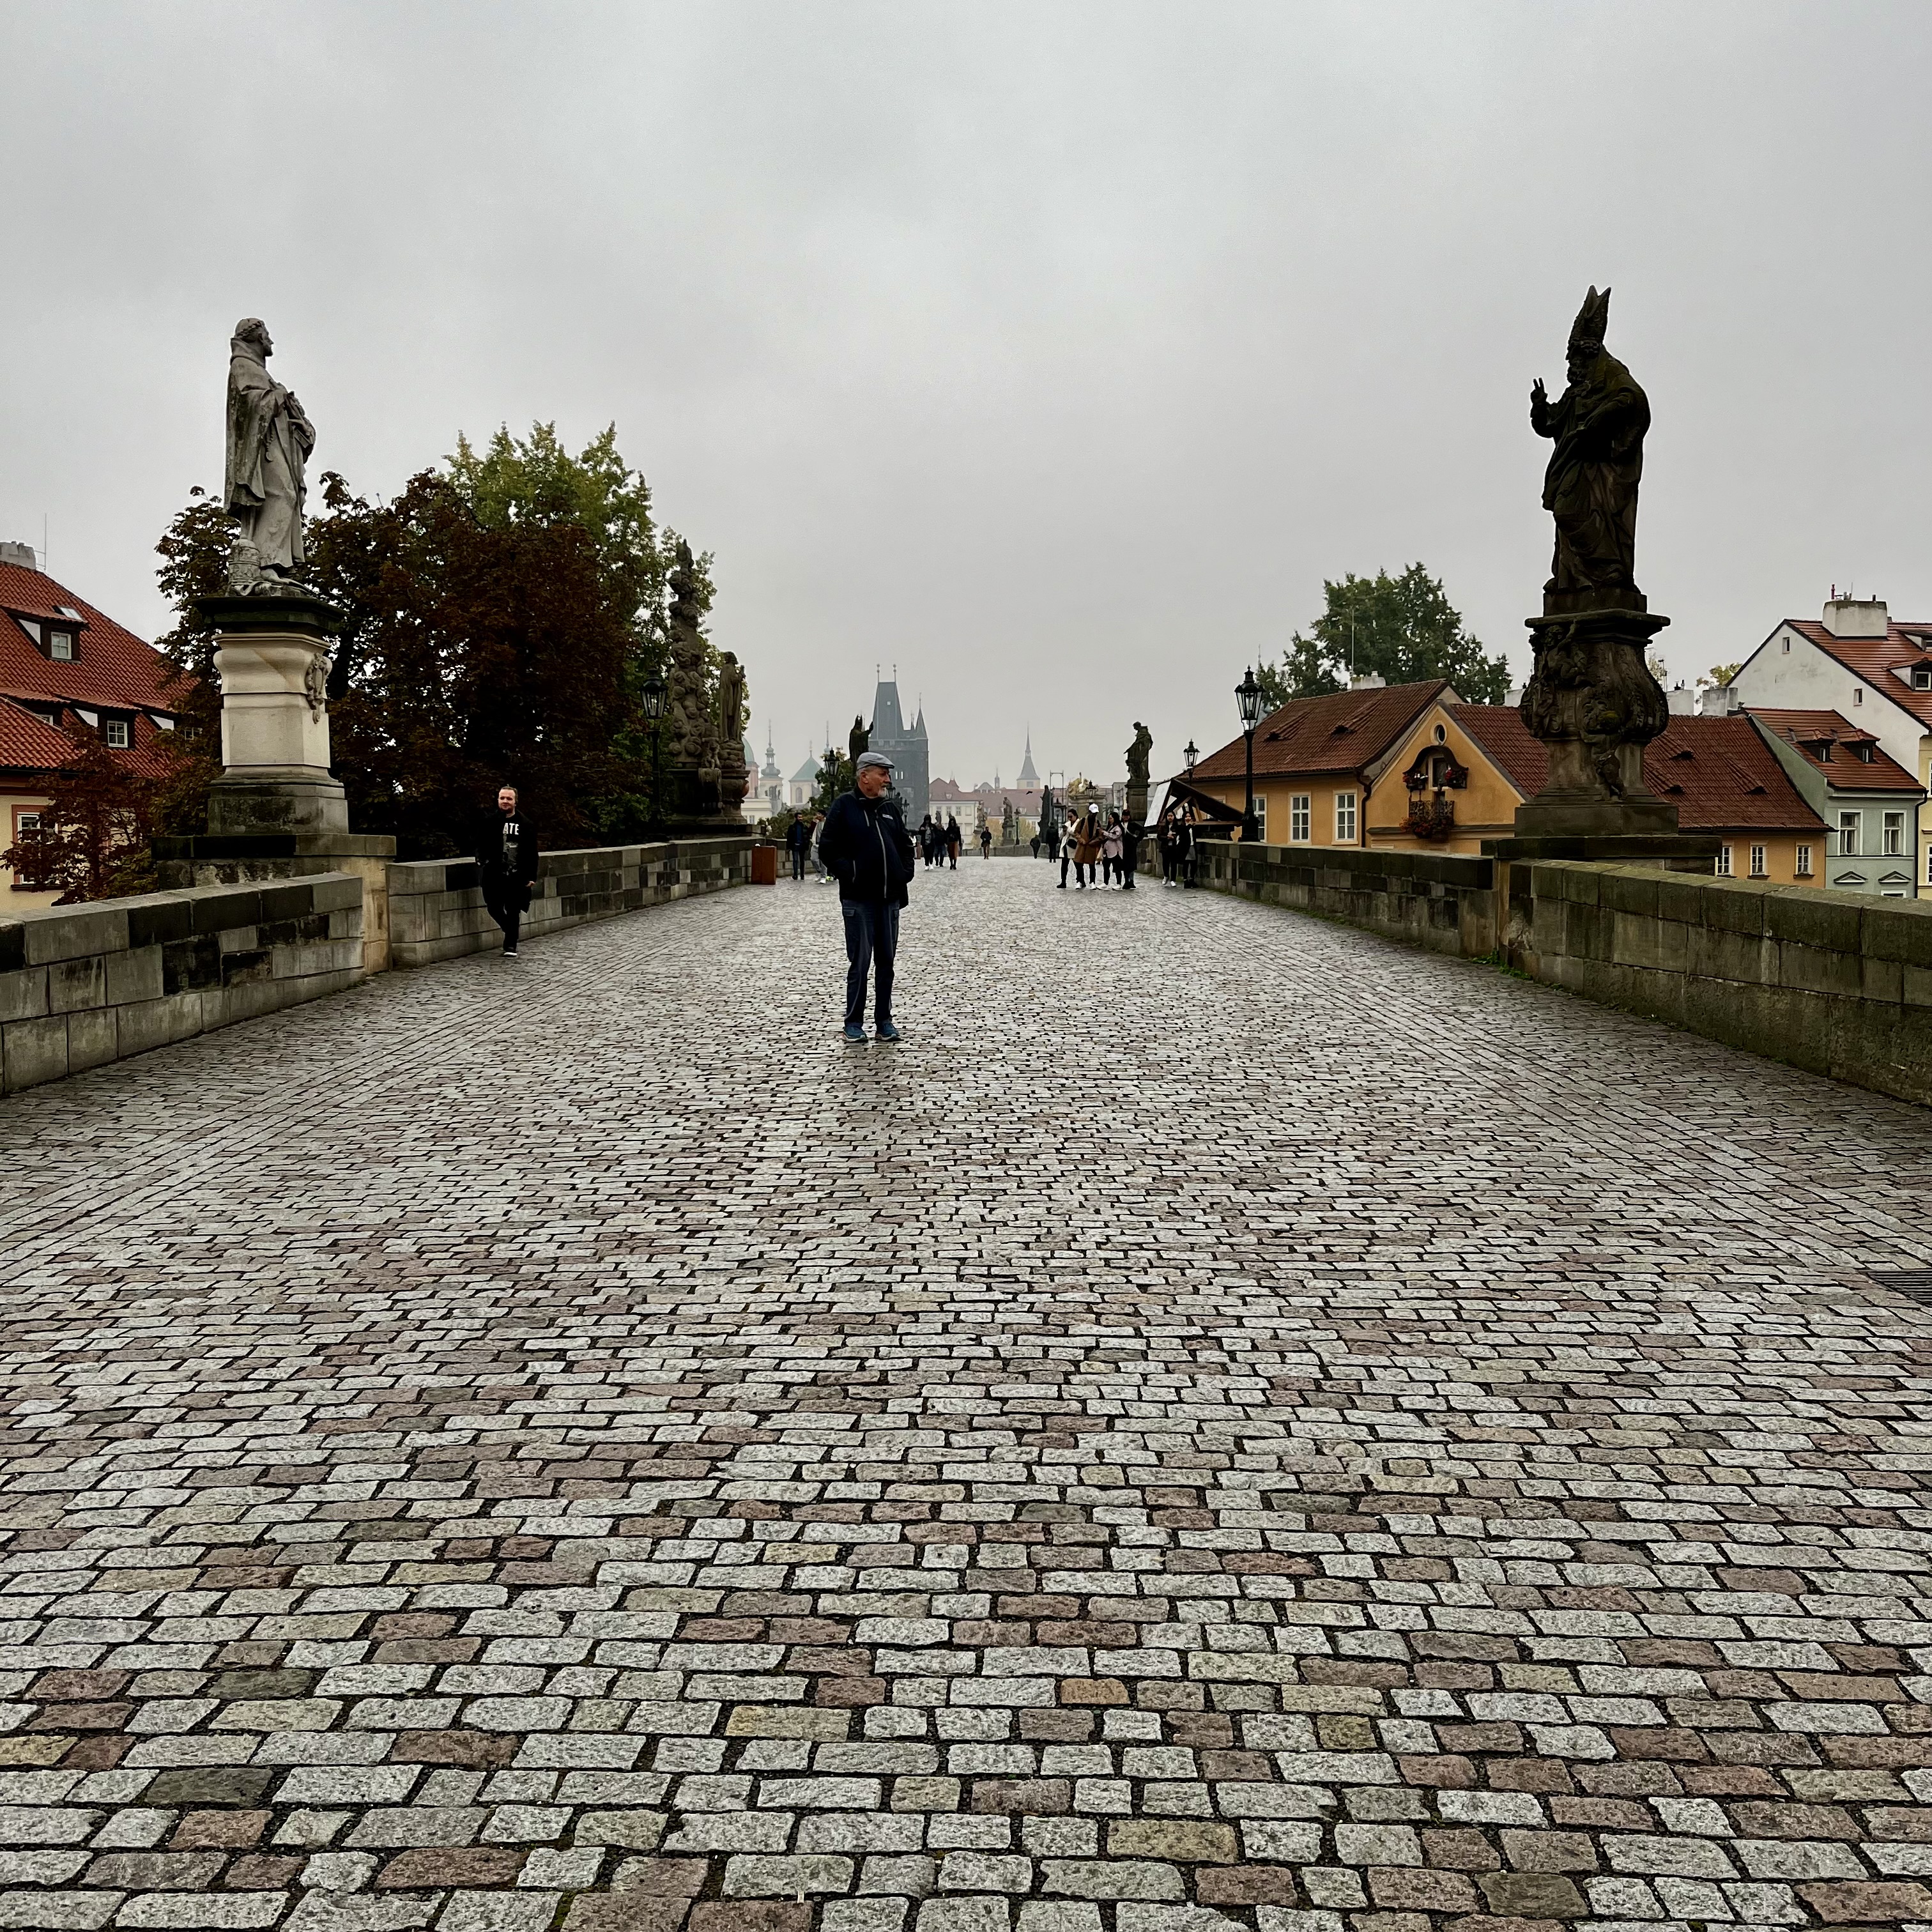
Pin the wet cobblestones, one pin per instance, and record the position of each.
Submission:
(1232, 1424)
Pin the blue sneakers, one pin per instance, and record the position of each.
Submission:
(887, 1031)
(857, 1032)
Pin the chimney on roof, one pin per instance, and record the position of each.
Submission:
(1857, 617)
(1682, 700)
(21, 553)
(1718, 701)
(1367, 680)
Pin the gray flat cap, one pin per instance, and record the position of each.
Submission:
(869, 759)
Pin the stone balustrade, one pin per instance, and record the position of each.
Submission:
(436, 910)
(81, 986)
(1838, 983)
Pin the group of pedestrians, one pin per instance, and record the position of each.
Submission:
(939, 841)
(1179, 846)
(802, 842)
(1100, 852)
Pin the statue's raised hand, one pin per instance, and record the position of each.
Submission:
(1539, 407)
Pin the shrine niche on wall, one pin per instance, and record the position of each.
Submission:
(1435, 769)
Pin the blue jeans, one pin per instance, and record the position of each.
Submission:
(871, 939)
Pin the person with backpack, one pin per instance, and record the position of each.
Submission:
(798, 843)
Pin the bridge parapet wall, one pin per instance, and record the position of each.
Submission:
(1440, 900)
(436, 910)
(81, 986)
(1838, 983)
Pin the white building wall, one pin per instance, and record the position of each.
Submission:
(1804, 678)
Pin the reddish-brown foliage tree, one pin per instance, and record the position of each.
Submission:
(94, 828)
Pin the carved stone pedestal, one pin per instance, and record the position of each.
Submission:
(272, 661)
(276, 812)
(1593, 702)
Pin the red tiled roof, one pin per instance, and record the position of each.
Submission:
(1718, 772)
(113, 667)
(1875, 659)
(1809, 730)
(1343, 732)
(30, 744)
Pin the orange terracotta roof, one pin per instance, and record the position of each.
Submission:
(1499, 730)
(112, 667)
(1720, 774)
(1875, 659)
(30, 744)
(1343, 732)
(1812, 731)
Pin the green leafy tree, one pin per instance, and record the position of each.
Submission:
(1722, 674)
(1403, 628)
(503, 615)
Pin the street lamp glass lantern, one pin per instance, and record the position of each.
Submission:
(1248, 695)
(654, 695)
(1191, 753)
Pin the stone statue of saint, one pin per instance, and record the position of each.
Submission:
(269, 439)
(731, 703)
(1590, 488)
(1137, 754)
(860, 738)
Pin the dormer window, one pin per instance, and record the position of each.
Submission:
(60, 646)
(118, 734)
(1825, 754)
(1922, 677)
(1862, 753)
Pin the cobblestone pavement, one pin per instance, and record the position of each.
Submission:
(1233, 1423)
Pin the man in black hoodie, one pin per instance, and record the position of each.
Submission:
(506, 863)
(867, 846)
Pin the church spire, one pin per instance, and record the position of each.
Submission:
(1029, 779)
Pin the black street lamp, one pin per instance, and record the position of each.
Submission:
(1248, 696)
(1191, 753)
(655, 693)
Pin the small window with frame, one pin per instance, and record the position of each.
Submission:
(1849, 824)
(1301, 818)
(1895, 834)
(1344, 818)
(60, 646)
(1724, 862)
(1759, 869)
(118, 734)
(1801, 869)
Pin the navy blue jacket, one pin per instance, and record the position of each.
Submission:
(865, 844)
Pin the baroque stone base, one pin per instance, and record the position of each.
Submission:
(240, 803)
(1594, 704)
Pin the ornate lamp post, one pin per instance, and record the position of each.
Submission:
(655, 693)
(1248, 696)
(1191, 753)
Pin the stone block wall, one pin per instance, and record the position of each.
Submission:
(1441, 900)
(81, 985)
(1839, 983)
(436, 910)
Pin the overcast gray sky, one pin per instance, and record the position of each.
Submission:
(1053, 352)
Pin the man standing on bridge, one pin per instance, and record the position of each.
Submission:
(506, 862)
(866, 844)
